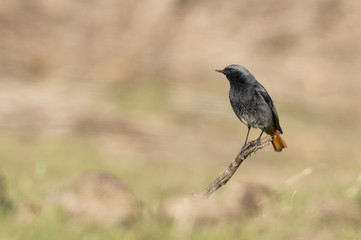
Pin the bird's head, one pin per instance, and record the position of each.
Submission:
(236, 72)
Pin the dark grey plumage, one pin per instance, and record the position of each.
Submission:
(251, 102)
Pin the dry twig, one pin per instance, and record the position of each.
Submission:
(251, 147)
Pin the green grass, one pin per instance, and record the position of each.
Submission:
(51, 163)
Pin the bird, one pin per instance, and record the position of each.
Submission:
(253, 105)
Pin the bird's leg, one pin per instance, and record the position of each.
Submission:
(249, 128)
(259, 138)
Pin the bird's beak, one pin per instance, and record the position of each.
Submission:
(220, 71)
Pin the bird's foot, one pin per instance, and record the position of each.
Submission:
(258, 142)
(243, 147)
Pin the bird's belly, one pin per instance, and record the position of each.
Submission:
(244, 114)
(253, 116)
(250, 120)
(243, 119)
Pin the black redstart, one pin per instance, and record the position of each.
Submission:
(252, 104)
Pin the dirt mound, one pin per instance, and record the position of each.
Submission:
(235, 202)
(98, 196)
(332, 210)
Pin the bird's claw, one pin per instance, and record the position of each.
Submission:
(258, 142)
(242, 149)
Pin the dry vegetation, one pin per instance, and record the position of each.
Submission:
(111, 115)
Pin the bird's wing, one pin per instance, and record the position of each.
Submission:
(263, 93)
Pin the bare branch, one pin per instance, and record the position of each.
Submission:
(251, 147)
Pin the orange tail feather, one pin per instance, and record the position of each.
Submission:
(278, 143)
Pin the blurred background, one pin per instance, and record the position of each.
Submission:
(111, 115)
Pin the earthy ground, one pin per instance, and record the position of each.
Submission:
(111, 117)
